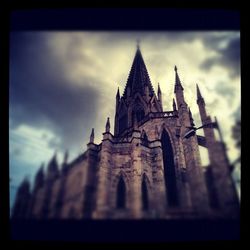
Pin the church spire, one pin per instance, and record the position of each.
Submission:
(92, 136)
(117, 98)
(53, 167)
(177, 81)
(138, 77)
(199, 96)
(118, 94)
(159, 90)
(108, 126)
(39, 178)
(179, 93)
(201, 105)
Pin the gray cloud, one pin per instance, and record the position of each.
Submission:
(42, 97)
(228, 56)
(225, 91)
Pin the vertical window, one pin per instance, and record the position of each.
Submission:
(169, 170)
(121, 194)
(123, 123)
(144, 138)
(144, 195)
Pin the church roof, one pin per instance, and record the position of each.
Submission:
(138, 77)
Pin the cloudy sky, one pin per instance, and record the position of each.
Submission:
(62, 84)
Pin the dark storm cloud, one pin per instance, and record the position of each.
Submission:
(42, 97)
(228, 57)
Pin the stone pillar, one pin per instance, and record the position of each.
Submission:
(184, 192)
(222, 179)
(136, 204)
(159, 193)
(103, 178)
(195, 176)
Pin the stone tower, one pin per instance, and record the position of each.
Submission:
(147, 168)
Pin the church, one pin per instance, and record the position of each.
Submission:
(149, 167)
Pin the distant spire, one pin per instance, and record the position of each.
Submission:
(39, 176)
(138, 77)
(174, 105)
(159, 89)
(177, 80)
(40, 170)
(199, 96)
(108, 125)
(25, 184)
(53, 159)
(53, 165)
(92, 136)
(26, 180)
(118, 94)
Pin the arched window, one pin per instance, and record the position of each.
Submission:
(144, 191)
(144, 138)
(169, 170)
(123, 118)
(121, 194)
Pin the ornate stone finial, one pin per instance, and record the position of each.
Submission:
(199, 96)
(92, 136)
(108, 125)
(178, 85)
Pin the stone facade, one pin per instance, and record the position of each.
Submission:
(149, 167)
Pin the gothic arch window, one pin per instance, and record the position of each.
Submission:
(123, 122)
(121, 194)
(144, 138)
(144, 191)
(169, 170)
(123, 118)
